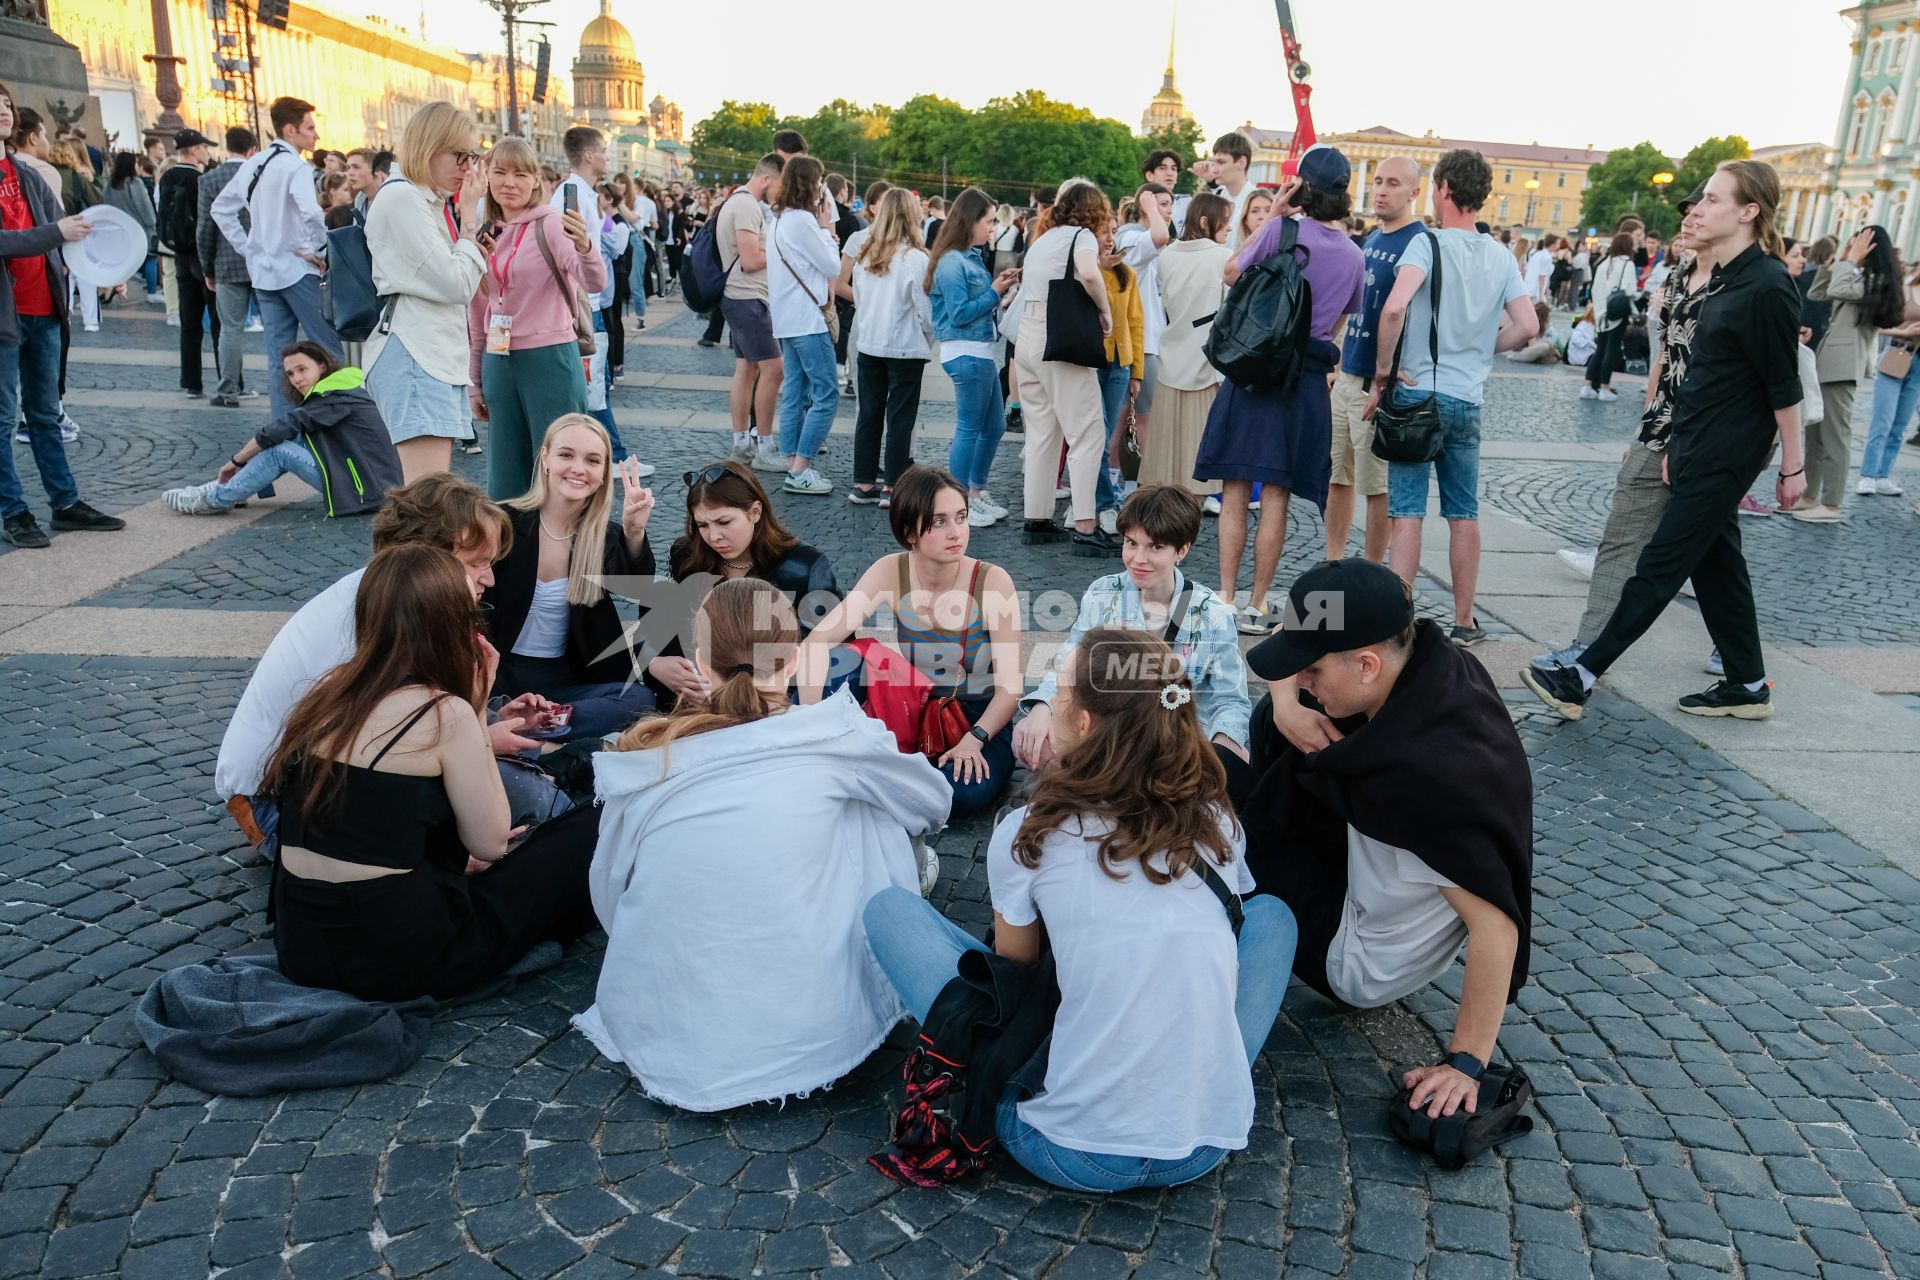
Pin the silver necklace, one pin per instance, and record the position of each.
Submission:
(555, 537)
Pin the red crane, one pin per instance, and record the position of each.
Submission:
(1297, 73)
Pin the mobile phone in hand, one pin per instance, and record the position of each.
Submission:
(570, 198)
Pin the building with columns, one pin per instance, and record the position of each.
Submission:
(1534, 187)
(1802, 167)
(1873, 168)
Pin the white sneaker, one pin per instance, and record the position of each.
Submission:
(929, 869)
(1886, 487)
(1061, 491)
(642, 469)
(1608, 395)
(1867, 487)
(979, 514)
(254, 326)
(69, 429)
(767, 458)
(91, 328)
(160, 300)
(194, 500)
(1110, 521)
(985, 499)
(1211, 507)
(1588, 393)
(20, 436)
(173, 322)
(808, 481)
(1581, 562)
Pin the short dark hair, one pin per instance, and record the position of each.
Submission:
(1235, 145)
(383, 162)
(578, 139)
(773, 164)
(838, 185)
(1468, 176)
(790, 142)
(1324, 206)
(1165, 513)
(287, 112)
(240, 141)
(1155, 158)
(1629, 222)
(1046, 195)
(911, 510)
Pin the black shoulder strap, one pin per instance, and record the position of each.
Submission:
(402, 731)
(1228, 898)
(1178, 611)
(272, 151)
(1066, 272)
(1433, 324)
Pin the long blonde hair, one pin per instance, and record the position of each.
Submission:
(745, 629)
(894, 228)
(434, 128)
(518, 156)
(589, 554)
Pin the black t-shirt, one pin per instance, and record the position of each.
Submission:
(1741, 368)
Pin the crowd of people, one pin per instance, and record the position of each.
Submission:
(462, 750)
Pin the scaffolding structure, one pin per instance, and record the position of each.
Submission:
(234, 62)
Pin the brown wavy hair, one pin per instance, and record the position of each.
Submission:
(1082, 205)
(1143, 767)
(739, 488)
(413, 624)
(745, 629)
(800, 185)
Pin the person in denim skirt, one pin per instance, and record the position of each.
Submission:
(1480, 286)
(966, 300)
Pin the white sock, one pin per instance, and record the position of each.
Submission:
(739, 438)
(1756, 686)
(1587, 678)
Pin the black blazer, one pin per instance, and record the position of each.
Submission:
(592, 629)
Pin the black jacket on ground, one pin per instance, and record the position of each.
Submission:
(1439, 772)
(592, 629)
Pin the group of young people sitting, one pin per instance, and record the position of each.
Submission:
(758, 854)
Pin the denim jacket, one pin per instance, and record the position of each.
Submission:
(963, 299)
(1207, 642)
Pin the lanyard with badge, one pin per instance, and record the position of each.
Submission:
(499, 326)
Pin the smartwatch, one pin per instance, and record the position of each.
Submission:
(1467, 1065)
(979, 733)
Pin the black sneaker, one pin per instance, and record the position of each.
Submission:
(1016, 423)
(707, 342)
(1559, 688)
(225, 402)
(869, 497)
(192, 393)
(1468, 636)
(24, 531)
(1041, 531)
(1726, 698)
(1097, 543)
(81, 518)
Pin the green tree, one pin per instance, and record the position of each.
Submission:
(841, 130)
(1031, 140)
(1698, 164)
(922, 132)
(1623, 183)
(1185, 140)
(733, 137)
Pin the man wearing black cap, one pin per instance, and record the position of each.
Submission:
(1394, 811)
(178, 227)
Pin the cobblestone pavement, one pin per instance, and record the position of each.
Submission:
(1723, 1024)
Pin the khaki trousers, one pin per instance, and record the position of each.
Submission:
(1060, 401)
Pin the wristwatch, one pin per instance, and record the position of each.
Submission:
(979, 733)
(1467, 1065)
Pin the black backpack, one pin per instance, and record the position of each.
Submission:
(1260, 333)
(177, 209)
(1453, 1140)
(703, 279)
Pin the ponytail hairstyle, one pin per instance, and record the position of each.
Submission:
(1206, 214)
(745, 630)
(1144, 767)
(1755, 182)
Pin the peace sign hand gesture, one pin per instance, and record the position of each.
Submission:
(636, 503)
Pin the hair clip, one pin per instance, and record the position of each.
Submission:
(1175, 696)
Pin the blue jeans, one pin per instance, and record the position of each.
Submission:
(810, 394)
(1113, 403)
(1458, 464)
(605, 416)
(285, 312)
(637, 276)
(980, 419)
(30, 379)
(599, 708)
(919, 950)
(264, 468)
(1893, 405)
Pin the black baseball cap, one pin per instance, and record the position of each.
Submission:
(1333, 607)
(1694, 197)
(190, 138)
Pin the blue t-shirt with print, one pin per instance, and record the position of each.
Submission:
(1381, 251)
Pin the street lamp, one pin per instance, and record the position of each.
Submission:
(1532, 185)
(1662, 180)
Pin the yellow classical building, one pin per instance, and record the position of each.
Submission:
(1534, 187)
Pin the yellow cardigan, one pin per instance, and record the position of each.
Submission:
(1127, 344)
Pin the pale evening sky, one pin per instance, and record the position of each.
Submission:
(1521, 73)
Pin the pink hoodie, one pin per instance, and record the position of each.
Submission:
(542, 314)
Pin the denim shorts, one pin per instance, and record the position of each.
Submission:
(1458, 464)
(750, 328)
(412, 401)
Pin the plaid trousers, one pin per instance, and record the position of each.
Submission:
(1640, 498)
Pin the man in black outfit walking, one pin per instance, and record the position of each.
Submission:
(1741, 388)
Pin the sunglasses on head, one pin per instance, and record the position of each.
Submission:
(706, 475)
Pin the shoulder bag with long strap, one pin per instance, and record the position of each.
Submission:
(1413, 432)
(828, 312)
(582, 314)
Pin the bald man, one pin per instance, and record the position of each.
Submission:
(1396, 182)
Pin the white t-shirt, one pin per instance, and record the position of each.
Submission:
(1478, 278)
(1147, 1056)
(1539, 271)
(1397, 933)
(1239, 211)
(1138, 250)
(314, 641)
(1046, 261)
